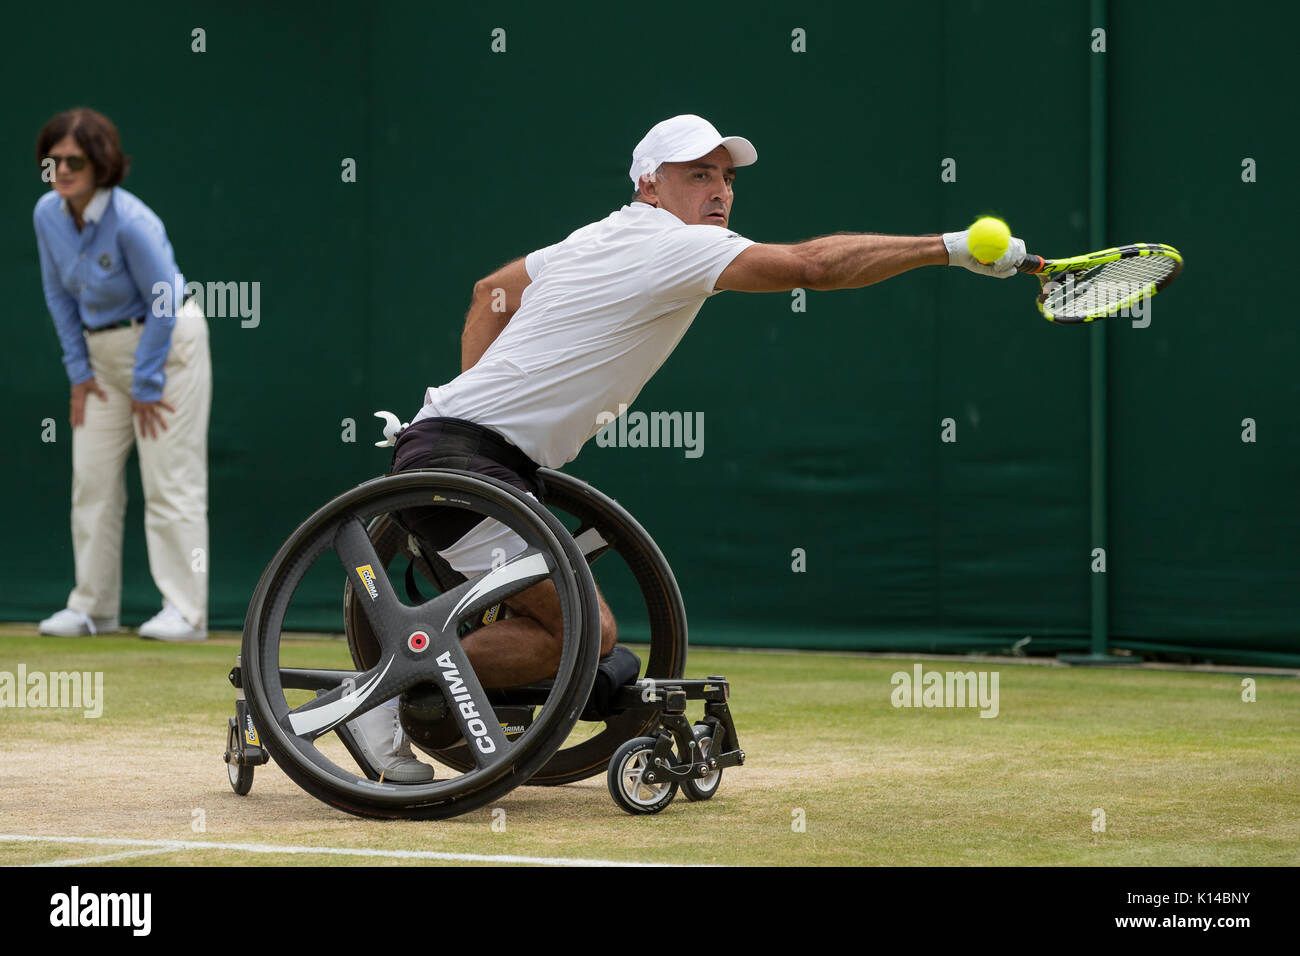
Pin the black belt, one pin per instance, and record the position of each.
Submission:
(124, 324)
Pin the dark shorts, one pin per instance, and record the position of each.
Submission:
(454, 443)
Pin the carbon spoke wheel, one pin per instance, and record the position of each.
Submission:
(417, 646)
(606, 533)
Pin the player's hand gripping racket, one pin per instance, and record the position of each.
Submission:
(1100, 284)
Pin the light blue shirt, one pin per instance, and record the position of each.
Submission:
(106, 273)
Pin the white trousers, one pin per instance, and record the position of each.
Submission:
(173, 470)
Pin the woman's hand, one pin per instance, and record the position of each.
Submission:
(149, 415)
(77, 408)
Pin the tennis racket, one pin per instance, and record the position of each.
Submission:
(1100, 284)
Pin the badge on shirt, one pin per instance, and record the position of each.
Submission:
(105, 261)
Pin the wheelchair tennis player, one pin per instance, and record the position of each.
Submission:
(576, 329)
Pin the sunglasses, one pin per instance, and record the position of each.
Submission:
(75, 163)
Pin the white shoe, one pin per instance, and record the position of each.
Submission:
(168, 625)
(379, 734)
(70, 623)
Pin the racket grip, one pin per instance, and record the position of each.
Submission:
(1031, 264)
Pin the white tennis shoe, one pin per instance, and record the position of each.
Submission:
(70, 623)
(168, 625)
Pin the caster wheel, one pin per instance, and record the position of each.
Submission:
(703, 788)
(241, 775)
(627, 778)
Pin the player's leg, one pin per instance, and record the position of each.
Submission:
(527, 647)
(521, 649)
(511, 651)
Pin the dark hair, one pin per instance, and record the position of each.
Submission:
(95, 134)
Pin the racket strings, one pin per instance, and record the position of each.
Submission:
(1108, 287)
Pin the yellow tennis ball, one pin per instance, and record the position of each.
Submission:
(988, 240)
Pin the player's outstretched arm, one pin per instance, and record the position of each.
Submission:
(845, 261)
(496, 299)
(850, 261)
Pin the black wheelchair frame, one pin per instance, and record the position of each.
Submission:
(647, 747)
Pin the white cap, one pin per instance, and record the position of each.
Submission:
(681, 139)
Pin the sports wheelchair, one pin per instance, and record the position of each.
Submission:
(552, 732)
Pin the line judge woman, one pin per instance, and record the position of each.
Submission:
(140, 373)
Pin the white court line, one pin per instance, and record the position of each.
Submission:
(330, 851)
(81, 861)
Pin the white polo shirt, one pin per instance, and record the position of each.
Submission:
(605, 308)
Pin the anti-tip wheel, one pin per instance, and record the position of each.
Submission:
(241, 775)
(702, 788)
(241, 778)
(628, 769)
